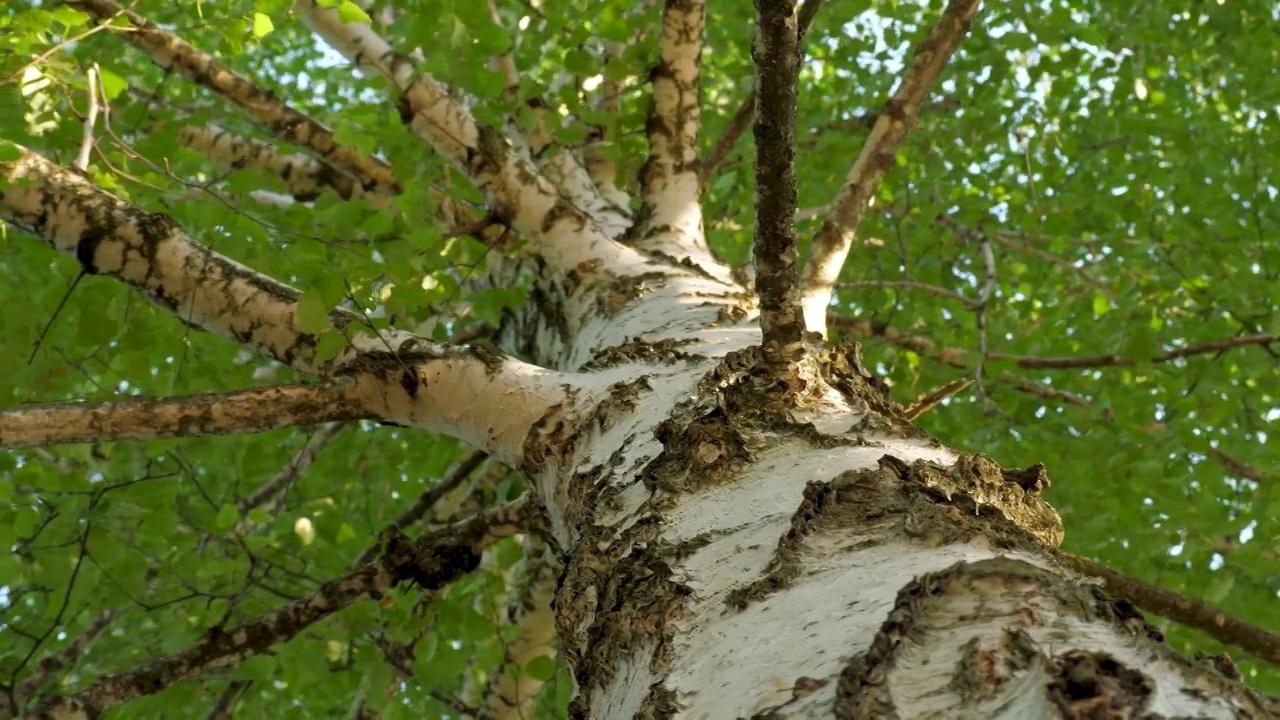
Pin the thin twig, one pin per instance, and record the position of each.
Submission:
(105, 25)
(1238, 467)
(90, 119)
(284, 479)
(221, 710)
(925, 403)
(914, 285)
(428, 499)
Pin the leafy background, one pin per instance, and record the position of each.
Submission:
(1118, 158)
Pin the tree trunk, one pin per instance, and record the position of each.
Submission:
(728, 559)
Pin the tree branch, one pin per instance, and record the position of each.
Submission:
(145, 418)
(1183, 609)
(914, 285)
(149, 252)
(1096, 361)
(669, 178)
(431, 561)
(954, 357)
(304, 176)
(741, 119)
(777, 58)
(172, 53)
(1238, 467)
(1215, 346)
(277, 485)
(831, 244)
(520, 196)
(428, 499)
(67, 656)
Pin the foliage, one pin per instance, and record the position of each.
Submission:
(1117, 158)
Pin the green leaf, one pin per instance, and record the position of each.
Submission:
(313, 313)
(349, 12)
(541, 668)
(227, 518)
(69, 17)
(258, 667)
(1220, 588)
(262, 25)
(1101, 305)
(112, 84)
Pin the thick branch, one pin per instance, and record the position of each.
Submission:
(144, 418)
(172, 53)
(431, 562)
(521, 197)
(149, 252)
(305, 177)
(777, 58)
(669, 179)
(831, 244)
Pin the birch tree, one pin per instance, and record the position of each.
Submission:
(672, 359)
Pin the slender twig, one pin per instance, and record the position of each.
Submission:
(58, 46)
(1239, 467)
(1096, 361)
(277, 485)
(1046, 391)
(428, 499)
(914, 285)
(925, 403)
(1215, 345)
(90, 119)
(221, 709)
(430, 561)
(67, 656)
(1006, 240)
